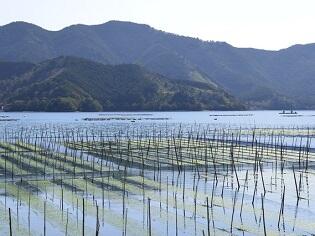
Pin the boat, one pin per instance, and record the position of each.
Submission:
(291, 112)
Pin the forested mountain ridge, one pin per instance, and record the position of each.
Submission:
(262, 79)
(76, 84)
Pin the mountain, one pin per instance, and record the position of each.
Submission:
(75, 84)
(260, 78)
(13, 69)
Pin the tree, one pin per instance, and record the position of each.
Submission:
(90, 105)
(62, 104)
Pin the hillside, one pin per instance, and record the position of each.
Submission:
(262, 79)
(14, 69)
(74, 84)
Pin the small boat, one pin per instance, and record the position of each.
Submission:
(291, 112)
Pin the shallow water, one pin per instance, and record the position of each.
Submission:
(167, 190)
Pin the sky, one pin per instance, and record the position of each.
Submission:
(264, 24)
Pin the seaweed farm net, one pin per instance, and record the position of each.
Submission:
(156, 180)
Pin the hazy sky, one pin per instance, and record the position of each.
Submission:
(268, 24)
